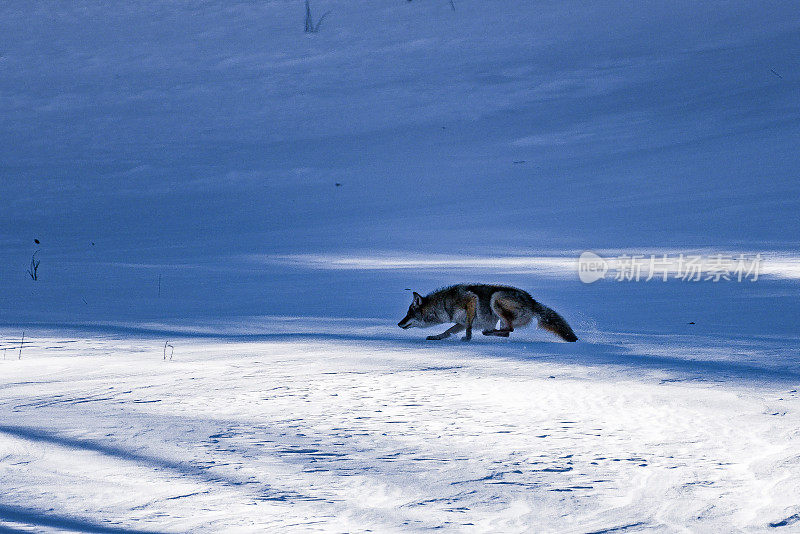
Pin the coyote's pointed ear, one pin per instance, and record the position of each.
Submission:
(417, 299)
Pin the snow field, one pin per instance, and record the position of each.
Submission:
(313, 433)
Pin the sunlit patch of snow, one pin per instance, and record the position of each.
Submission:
(771, 264)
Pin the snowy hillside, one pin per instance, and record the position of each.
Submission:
(176, 139)
(210, 176)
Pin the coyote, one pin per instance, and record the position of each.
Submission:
(482, 306)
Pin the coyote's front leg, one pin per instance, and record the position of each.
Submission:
(447, 333)
(472, 304)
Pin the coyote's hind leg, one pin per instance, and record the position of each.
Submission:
(447, 333)
(506, 310)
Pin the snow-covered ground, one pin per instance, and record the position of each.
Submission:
(355, 429)
(208, 176)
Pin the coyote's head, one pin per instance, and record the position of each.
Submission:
(417, 315)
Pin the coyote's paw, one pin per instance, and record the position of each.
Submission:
(498, 333)
(466, 338)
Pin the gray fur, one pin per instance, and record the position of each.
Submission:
(496, 310)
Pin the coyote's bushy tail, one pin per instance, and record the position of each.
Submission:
(550, 320)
